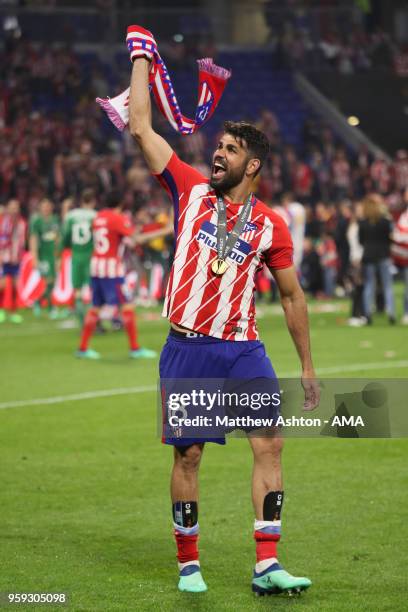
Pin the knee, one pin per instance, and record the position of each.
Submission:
(269, 450)
(188, 459)
(127, 307)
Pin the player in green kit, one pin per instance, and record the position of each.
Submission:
(44, 241)
(77, 235)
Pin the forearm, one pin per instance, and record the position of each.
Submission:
(297, 321)
(140, 110)
(33, 246)
(157, 152)
(159, 233)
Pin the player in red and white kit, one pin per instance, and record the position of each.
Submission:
(224, 234)
(13, 234)
(110, 227)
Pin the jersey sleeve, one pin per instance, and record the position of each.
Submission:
(178, 178)
(280, 253)
(123, 226)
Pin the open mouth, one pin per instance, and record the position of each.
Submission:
(218, 170)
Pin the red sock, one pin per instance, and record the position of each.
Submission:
(129, 321)
(91, 319)
(8, 301)
(266, 545)
(187, 547)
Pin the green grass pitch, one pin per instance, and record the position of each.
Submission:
(84, 504)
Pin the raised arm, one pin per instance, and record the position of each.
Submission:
(157, 152)
(295, 309)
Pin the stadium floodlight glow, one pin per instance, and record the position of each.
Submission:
(353, 121)
(11, 25)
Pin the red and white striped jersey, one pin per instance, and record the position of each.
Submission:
(13, 232)
(218, 306)
(108, 228)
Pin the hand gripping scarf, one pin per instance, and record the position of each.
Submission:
(212, 80)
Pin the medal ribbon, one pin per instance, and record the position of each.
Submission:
(226, 244)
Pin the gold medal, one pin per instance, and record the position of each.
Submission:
(219, 266)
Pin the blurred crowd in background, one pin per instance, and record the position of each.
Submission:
(54, 142)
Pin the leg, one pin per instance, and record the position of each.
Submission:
(91, 320)
(10, 297)
(129, 322)
(184, 477)
(50, 277)
(184, 497)
(52, 310)
(386, 279)
(405, 277)
(79, 306)
(8, 294)
(5, 296)
(267, 496)
(369, 289)
(267, 470)
(15, 317)
(80, 277)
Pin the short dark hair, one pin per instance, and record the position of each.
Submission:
(255, 140)
(88, 195)
(113, 198)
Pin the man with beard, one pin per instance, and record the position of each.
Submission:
(224, 234)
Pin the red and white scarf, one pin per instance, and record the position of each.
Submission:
(212, 80)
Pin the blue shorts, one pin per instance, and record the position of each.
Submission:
(107, 291)
(11, 269)
(212, 358)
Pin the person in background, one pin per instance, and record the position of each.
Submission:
(354, 279)
(327, 251)
(295, 216)
(341, 240)
(399, 251)
(13, 231)
(110, 227)
(374, 234)
(311, 271)
(44, 241)
(77, 235)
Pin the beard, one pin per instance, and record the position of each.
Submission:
(229, 180)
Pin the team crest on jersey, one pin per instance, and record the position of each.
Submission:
(248, 233)
(208, 236)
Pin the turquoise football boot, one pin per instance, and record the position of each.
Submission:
(275, 580)
(88, 354)
(191, 580)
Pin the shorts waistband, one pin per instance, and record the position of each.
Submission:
(188, 334)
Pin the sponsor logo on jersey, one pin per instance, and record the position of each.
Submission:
(207, 235)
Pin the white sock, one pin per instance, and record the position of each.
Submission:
(181, 566)
(261, 566)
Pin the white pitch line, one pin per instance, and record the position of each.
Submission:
(354, 367)
(59, 399)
